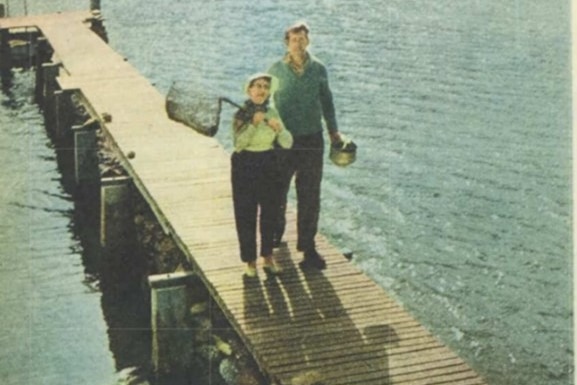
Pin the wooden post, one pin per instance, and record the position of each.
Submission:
(31, 48)
(86, 169)
(116, 212)
(63, 114)
(120, 254)
(2, 10)
(42, 56)
(50, 73)
(5, 53)
(94, 5)
(97, 25)
(172, 337)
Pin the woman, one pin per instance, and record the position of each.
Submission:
(257, 128)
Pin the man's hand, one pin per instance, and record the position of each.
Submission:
(335, 137)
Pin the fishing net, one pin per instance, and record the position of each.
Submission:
(194, 106)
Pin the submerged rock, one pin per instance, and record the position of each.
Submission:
(222, 346)
(198, 308)
(229, 371)
(236, 373)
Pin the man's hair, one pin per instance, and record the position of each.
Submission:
(296, 28)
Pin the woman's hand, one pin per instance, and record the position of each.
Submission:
(275, 125)
(258, 118)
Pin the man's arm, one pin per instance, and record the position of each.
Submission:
(328, 107)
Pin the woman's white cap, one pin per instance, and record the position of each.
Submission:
(262, 75)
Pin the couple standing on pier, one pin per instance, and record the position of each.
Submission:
(273, 143)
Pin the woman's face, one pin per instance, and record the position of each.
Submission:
(259, 90)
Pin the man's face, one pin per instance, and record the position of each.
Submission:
(297, 42)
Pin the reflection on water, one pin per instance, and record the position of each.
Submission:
(67, 317)
(52, 325)
(119, 277)
(127, 314)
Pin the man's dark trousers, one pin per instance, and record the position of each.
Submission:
(305, 161)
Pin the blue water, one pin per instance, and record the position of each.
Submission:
(459, 204)
(51, 324)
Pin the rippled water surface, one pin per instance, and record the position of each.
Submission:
(52, 330)
(459, 204)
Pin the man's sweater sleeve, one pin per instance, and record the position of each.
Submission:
(327, 104)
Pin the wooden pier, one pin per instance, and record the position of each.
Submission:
(331, 327)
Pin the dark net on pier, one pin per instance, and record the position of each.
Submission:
(194, 106)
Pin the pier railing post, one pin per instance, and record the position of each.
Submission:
(172, 339)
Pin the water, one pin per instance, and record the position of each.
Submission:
(52, 327)
(64, 319)
(459, 204)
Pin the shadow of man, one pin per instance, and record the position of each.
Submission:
(308, 336)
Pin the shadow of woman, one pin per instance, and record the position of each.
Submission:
(255, 308)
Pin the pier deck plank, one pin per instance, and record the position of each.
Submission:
(337, 326)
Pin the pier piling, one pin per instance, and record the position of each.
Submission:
(5, 53)
(116, 213)
(97, 25)
(50, 73)
(85, 153)
(94, 5)
(171, 337)
(42, 56)
(63, 114)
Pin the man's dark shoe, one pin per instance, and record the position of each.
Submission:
(312, 259)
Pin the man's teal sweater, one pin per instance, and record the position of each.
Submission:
(303, 100)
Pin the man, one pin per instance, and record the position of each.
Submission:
(303, 99)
